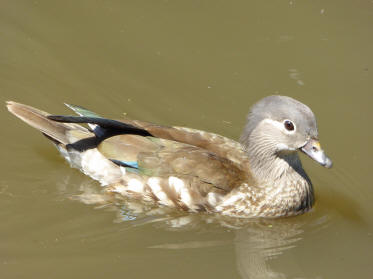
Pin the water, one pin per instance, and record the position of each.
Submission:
(190, 63)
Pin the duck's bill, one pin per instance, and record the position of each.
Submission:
(313, 149)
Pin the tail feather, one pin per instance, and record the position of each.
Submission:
(39, 120)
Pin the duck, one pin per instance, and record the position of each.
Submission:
(258, 176)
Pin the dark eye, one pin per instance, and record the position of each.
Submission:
(289, 125)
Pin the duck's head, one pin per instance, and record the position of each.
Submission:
(280, 125)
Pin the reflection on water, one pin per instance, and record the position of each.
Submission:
(257, 242)
(257, 245)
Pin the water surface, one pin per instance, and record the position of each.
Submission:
(190, 63)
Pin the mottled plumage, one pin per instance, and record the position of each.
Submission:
(190, 169)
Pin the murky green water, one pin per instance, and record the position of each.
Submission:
(192, 63)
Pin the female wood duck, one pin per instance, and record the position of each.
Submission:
(193, 170)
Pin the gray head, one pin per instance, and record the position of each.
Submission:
(280, 124)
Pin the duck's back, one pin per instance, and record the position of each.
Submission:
(221, 146)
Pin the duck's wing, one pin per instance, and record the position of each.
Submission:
(161, 151)
(217, 144)
(176, 166)
(221, 146)
(201, 169)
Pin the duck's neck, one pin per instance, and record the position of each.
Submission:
(282, 182)
(269, 167)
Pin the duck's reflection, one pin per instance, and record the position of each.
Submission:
(256, 242)
(257, 245)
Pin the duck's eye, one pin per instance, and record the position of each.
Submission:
(289, 125)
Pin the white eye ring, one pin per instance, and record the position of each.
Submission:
(289, 126)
